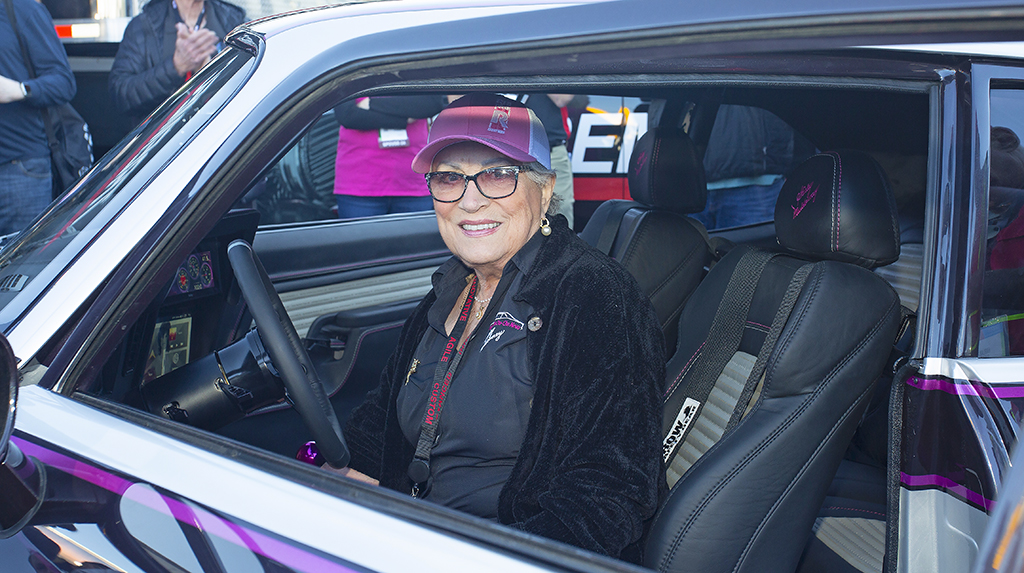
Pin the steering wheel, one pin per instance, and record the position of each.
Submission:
(301, 381)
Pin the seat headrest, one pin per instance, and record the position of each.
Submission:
(666, 172)
(838, 205)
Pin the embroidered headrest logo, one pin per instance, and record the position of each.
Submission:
(499, 119)
(641, 160)
(804, 198)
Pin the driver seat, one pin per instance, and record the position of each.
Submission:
(651, 236)
(778, 353)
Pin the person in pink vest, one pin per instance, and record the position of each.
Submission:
(377, 141)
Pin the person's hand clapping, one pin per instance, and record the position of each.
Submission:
(192, 49)
(10, 91)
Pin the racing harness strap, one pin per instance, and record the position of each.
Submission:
(723, 341)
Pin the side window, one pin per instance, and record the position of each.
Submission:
(602, 132)
(749, 153)
(352, 163)
(340, 172)
(300, 187)
(1002, 320)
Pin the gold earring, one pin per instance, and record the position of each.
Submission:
(545, 229)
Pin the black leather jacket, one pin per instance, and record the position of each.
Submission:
(589, 469)
(143, 73)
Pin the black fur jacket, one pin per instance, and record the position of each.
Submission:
(589, 470)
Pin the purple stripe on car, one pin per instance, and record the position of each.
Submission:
(947, 485)
(82, 471)
(971, 388)
(276, 549)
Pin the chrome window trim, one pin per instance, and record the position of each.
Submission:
(1009, 370)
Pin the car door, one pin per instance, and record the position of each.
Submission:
(960, 402)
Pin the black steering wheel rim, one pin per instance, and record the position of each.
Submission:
(282, 342)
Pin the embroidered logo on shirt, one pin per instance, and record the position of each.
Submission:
(491, 336)
(506, 319)
(502, 320)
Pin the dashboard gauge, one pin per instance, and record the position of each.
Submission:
(206, 275)
(193, 266)
(182, 280)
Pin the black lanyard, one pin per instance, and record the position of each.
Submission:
(419, 468)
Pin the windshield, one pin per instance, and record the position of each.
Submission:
(34, 258)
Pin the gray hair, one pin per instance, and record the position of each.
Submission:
(541, 176)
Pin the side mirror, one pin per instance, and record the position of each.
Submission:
(21, 483)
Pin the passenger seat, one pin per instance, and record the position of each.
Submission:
(666, 251)
(849, 533)
(777, 356)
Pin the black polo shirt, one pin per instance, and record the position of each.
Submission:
(484, 417)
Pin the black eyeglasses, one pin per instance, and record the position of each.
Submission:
(493, 183)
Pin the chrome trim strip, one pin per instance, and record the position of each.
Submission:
(1009, 370)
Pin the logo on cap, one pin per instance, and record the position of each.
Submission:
(499, 119)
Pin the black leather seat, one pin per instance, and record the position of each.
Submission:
(652, 237)
(849, 533)
(749, 462)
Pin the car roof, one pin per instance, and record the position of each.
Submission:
(604, 16)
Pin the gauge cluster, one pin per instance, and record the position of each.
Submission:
(195, 274)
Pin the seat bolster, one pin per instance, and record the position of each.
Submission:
(749, 503)
(668, 275)
(591, 233)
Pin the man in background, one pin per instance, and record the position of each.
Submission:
(25, 179)
(163, 46)
(548, 108)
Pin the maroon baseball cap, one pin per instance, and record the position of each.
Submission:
(502, 124)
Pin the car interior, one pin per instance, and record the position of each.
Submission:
(788, 343)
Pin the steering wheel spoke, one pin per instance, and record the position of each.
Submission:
(304, 388)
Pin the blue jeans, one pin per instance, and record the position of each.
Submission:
(737, 206)
(353, 207)
(25, 192)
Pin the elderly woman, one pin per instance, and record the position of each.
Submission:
(525, 386)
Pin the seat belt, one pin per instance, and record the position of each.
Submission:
(609, 231)
(796, 285)
(722, 342)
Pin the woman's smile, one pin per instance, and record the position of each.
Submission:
(483, 232)
(479, 229)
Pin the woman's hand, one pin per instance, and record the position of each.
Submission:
(352, 474)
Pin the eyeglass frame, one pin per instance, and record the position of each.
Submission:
(519, 169)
